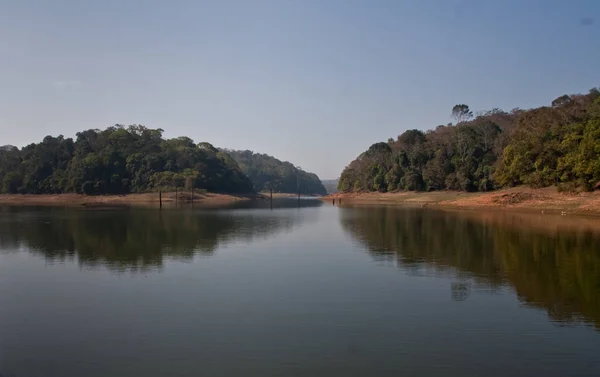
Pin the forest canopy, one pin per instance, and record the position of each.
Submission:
(267, 172)
(550, 145)
(118, 160)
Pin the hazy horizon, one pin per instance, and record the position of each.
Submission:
(313, 82)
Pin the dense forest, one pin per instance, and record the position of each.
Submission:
(551, 145)
(118, 160)
(267, 172)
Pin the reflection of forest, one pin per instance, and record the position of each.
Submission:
(558, 271)
(132, 239)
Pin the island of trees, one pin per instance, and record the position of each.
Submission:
(552, 145)
(268, 173)
(134, 159)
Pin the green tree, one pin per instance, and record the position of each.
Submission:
(87, 187)
(461, 113)
(12, 182)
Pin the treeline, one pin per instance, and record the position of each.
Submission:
(118, 160)
(556, 145)
(267, 172)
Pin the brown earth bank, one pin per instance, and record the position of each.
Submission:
(145, 199)
(277, 195)
(518, 198)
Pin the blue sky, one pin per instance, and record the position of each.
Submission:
(314, 82)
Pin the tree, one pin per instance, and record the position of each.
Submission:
(562, 100)
(11, 183)
(189, 183)
(461, 113)
(87, 187)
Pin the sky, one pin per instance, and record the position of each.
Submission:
(313, 82)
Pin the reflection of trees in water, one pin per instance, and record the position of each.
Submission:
(460, 291)
(557, 271)
(132, 239)
(284, 202)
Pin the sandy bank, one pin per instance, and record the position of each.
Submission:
(518, 198)
(146, 199)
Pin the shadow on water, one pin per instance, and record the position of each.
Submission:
(551, 267)
(139, 239)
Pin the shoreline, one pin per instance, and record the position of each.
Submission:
(126, 200)
(150, 199)
(522, 199)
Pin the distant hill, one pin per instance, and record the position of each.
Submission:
(330, 185)
(266, 172)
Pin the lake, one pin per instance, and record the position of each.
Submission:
(309, 290)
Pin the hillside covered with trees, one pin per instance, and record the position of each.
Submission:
(330, 185)
(118, 160)
(551, 145)
(267, 172)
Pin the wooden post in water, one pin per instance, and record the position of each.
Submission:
(271, 193)
(192, 196)
(160, 199)
(175, 196)
(333, 201)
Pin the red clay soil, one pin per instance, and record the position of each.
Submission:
(522, 198)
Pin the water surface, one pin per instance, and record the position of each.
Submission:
(310, 291)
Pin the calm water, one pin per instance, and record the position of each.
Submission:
(311, 291)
